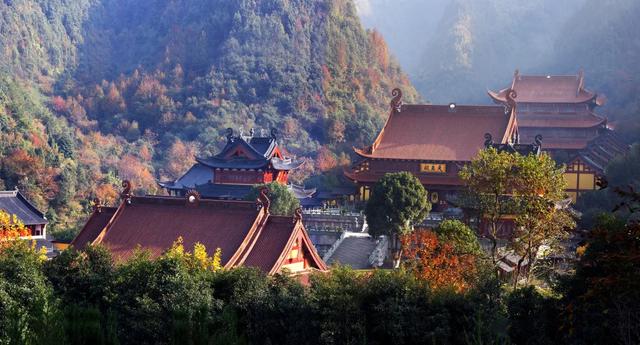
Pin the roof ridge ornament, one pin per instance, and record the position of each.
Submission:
(126, 191)
(538, 140)
(274, 133)
(97, 205)
(297, 215)
(193, 198)
(229, 134)
(511, 96)
(488, 140)
(396, 101)
(263, 199)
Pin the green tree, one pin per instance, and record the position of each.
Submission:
(460, 236)
(283, 202)
(29, 313)
(398, 201)
(489, 178)
(529, 188)
(542, 217)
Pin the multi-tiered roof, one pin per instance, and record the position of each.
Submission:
(242, 163)
(559, 108)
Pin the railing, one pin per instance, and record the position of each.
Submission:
(379, 254)
(332, 212)
(335, 246)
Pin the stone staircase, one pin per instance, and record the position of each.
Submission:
(353, 251)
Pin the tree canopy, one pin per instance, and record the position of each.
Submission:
(283, 201)
(398, 201)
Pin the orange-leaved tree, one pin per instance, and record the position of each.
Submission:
(436, 261)
(11, 228)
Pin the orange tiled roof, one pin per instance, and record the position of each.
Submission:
(437, 132)
(238, 228)
(547, 89)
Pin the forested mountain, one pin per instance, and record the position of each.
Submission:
(99, 90)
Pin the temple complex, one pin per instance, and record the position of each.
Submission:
(246, 233)
(433, 142)
(14, 203)
(244, 162)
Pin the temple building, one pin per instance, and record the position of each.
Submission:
(561, 110)
(244, 162)
(14, 203)
(246, 233)
(434, 142)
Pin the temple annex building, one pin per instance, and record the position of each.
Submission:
(562, 110)
(243, 162)
(246, 233)
(433, 142)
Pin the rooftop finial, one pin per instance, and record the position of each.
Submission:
(297, 215)
(538, 140)
(193, 198)
(263, 199)
(126, 191)
(488, 140)
(511, 96)
(252, 132)
(229, 134)
(97, 205)
(274, 133)
(396, 101)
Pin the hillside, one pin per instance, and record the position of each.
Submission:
(115, 89)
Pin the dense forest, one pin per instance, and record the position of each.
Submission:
(96, 91)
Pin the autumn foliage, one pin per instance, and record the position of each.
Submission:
(436, 261)
(11, 227)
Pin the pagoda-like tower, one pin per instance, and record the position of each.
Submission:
(559, 108)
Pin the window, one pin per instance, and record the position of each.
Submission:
(365, 192)
(586, 182)
(572, 180)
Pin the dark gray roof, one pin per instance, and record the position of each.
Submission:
(239, 163)
(15, 203)
(285, 164)
(263, 145)
(198, 174)
(354, 252)
(604, 148)
(223, 191)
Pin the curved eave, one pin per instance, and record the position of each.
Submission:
(499, 97)
(495, 96)
(362, 152)
(278, 165)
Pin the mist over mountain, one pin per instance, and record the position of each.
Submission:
(455, 50)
